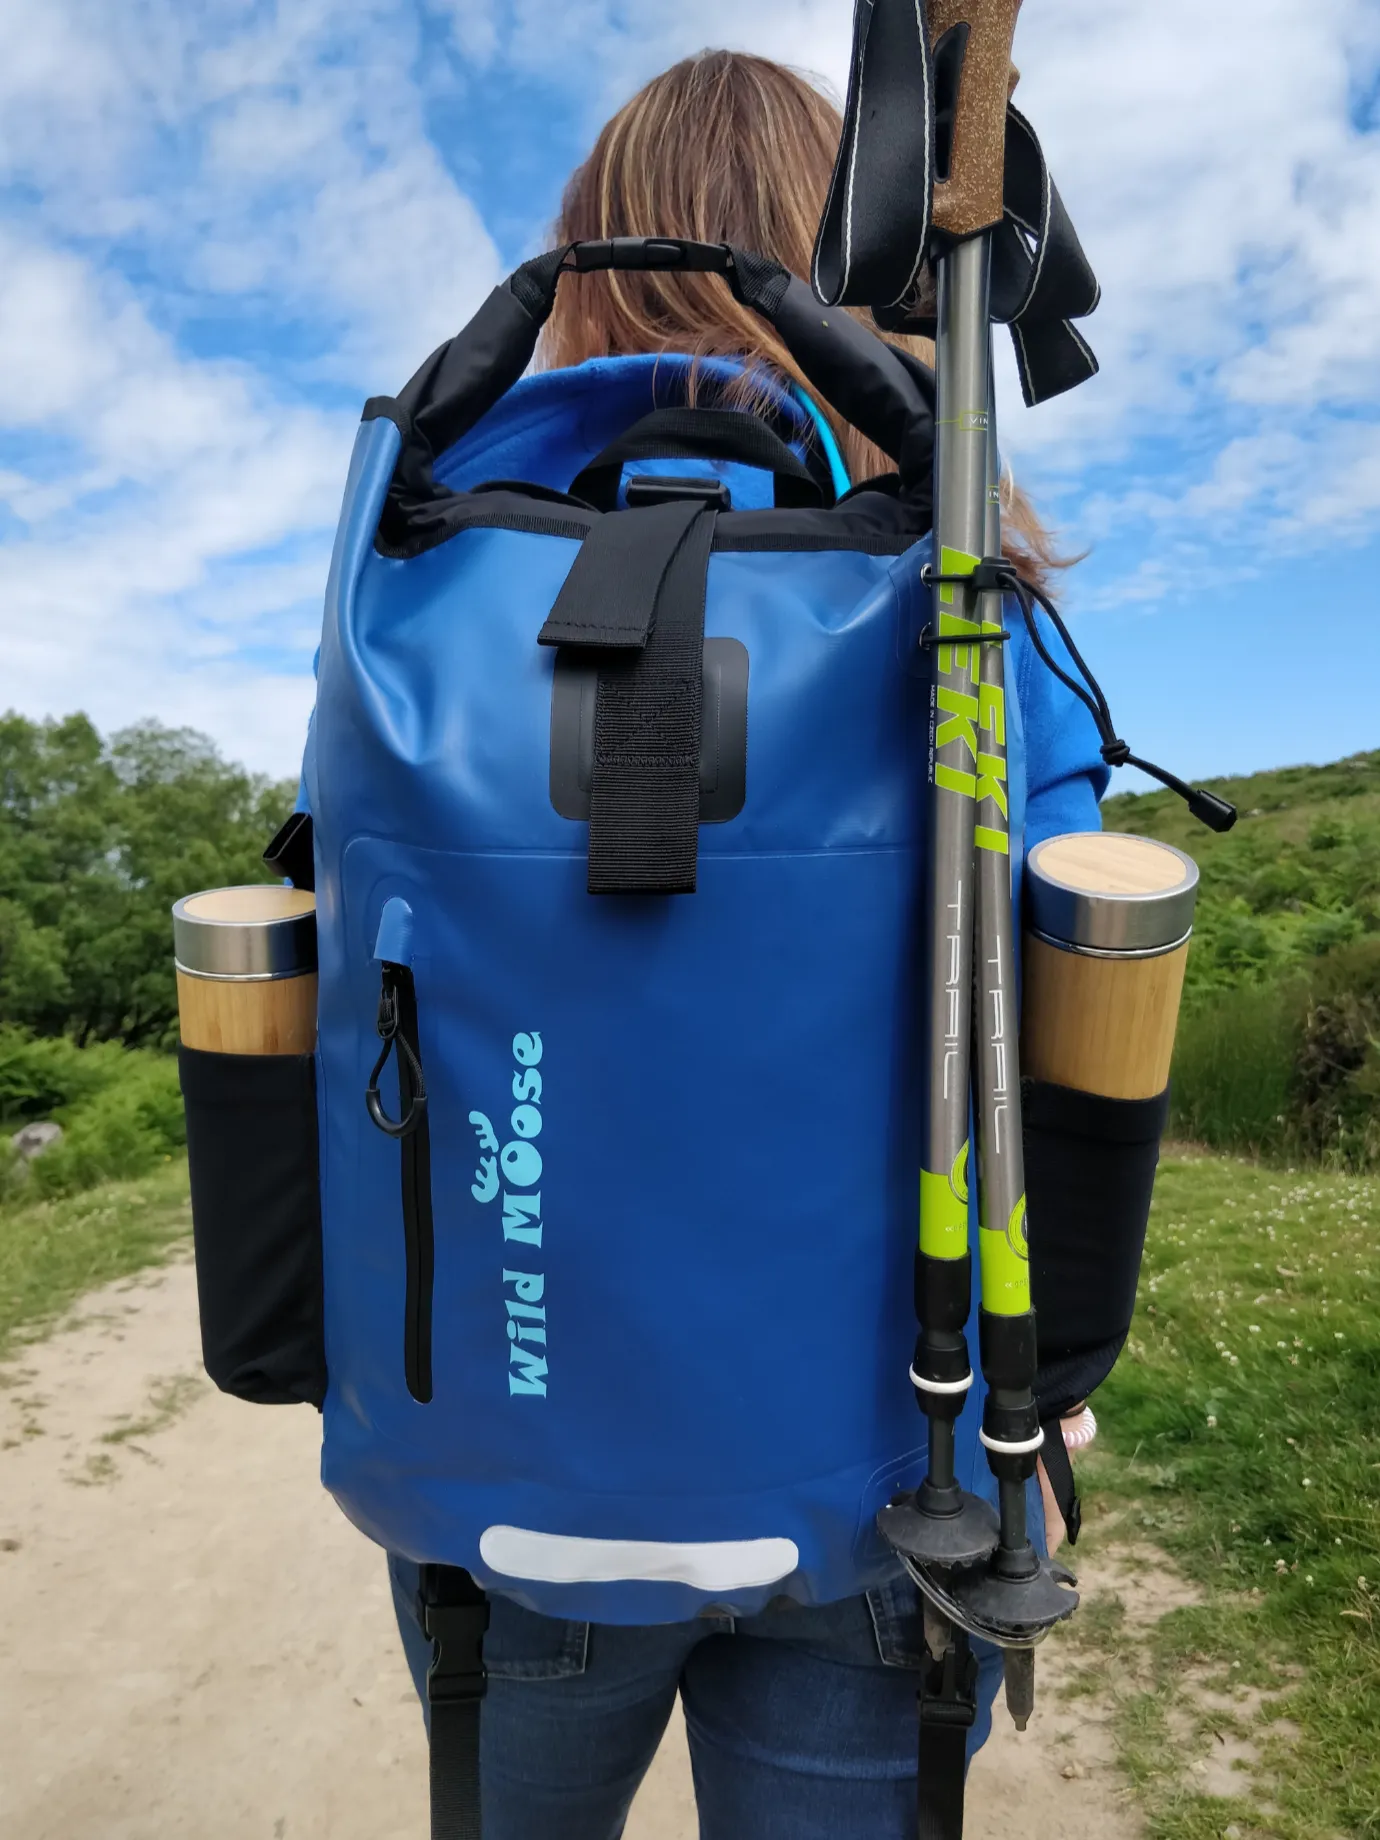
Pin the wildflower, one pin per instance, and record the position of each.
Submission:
(1212, 1421)
(1280, 1566)
(1308, 1482)
(1255, 1329)
(1337, 1336)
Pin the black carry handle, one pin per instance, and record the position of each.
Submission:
(701, 434)
(888, 399)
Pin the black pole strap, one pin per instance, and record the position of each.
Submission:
(455, 1615)
(877, 232)
(874, 236)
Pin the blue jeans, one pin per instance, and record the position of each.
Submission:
(802, 1722)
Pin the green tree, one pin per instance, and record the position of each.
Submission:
(97, 840)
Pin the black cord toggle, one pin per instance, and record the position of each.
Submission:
(997, 572)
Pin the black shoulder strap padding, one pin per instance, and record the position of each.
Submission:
(948, 1708)
(460, 382)
(1055, 1457)
(885, 397)
(636, 591)
(455, 1614)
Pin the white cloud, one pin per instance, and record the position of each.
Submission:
(175, 511)
(1224, 196)
(276, 168)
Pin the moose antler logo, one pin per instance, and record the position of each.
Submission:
(486, 1176)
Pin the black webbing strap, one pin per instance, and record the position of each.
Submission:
(636, 591)
(1055, 1457)
(876, 233)
(948, 1707)
(455, 1614)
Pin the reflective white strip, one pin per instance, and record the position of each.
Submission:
(1012, 1450)
(941, 1386)
(707, 1565)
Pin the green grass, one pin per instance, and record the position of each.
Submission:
(51, 1252)
(1297, 877)
(1242, 1435)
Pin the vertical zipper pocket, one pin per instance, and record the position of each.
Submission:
(411, 1129)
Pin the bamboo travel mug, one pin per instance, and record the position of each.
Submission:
(1108, 919)
(246, 970)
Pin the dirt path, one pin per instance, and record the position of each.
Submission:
(194, 1641)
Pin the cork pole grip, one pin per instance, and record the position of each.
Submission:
(1100, 1025)
(969, 198)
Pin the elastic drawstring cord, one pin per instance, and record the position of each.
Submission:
(994, 574)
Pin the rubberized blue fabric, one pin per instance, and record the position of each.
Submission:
(554, 423)
(673, 1141)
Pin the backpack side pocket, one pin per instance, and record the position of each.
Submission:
(253, 1151)
(1090, 1170)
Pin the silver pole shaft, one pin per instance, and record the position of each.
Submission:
(1001, 1161)
(963, 371)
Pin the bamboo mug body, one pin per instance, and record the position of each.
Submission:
(1108, 921)
(246, 970)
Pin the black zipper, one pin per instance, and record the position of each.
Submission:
(397, 1027)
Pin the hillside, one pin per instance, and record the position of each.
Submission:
(1297, 877)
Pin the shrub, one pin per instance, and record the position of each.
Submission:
(1335, 1091)
(1290, 1069)
(41, 1075)
(1234, 1067)
(125, 1130)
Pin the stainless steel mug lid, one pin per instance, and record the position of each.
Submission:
(245, 933)
(1103, 891)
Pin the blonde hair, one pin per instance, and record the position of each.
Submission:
(722, 148)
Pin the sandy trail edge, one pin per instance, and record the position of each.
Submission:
(194, 1640)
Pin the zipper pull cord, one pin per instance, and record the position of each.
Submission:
(391, 1035)
(996, 574)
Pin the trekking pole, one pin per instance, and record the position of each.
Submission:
(979, 1571)
(1020, 1597)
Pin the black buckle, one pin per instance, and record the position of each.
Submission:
(454, 1615)
(654, 489)
(948, 1692)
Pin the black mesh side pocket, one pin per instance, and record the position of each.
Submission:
(256, 1222)
(1089, 1172)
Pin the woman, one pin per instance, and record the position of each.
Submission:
(801, 1721)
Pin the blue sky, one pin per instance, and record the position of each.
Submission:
(224, 224)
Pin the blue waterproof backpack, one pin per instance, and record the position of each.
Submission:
(616, 787)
